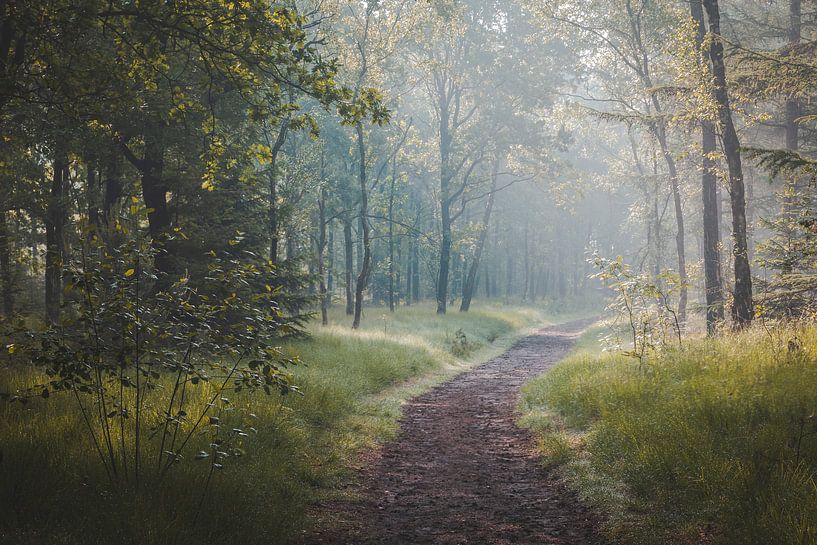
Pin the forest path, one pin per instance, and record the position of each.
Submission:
(461, 471)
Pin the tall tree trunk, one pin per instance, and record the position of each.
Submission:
(742, 308)
(415, 263)
(272, 213)
(291, 246)
(55, 243)
(330, 263)
(471, 279)
(445, 252)
(92, 193)
(792, 104)
(679, 220)
(526, 262)
(391, 235)
(348, 244)
(6, 273)
(363, 276)
(408, 270)
(446, 139)
(509, 272)
(113, 187)
(321, 251)
(154, 192)
(659, 129)
(487, 286)
(713, 284)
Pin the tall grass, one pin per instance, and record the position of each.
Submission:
(712, 443)
(52, 490)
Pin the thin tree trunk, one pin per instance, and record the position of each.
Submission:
(6, 273)
(445, 202)
(363, 276)
(445, 253)
(713, 284)
(409, 270)
(471, 279)
(526, 262)
(415, 264)
(321, 251)
(113, 188)
(330, 265)
(659, 129)
(792, 104)
(742, 309)
(348, 244)
(154, 194)
(272, 217)
(55, 244)
(92, 193)
(679, 221)
(509, 279)
(391, 235)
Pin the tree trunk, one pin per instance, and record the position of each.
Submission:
(6, 273)
(659, 128)
(415, 264)
(55, 244)
(792, 104)
(349, 250)
(509, 279)
(445, 203)
(679, 220)
(321, 251)
(272, 217)
(408, 270)
(742, 309)
(154, 194)
(113, 188)
(471, 280)
(92, 193)
(526, 263)
(330, 263)
(445, 256)
(363, 276)
(391, 236)
(713, 285)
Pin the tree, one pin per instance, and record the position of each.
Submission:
(742, 308)
(709, 193)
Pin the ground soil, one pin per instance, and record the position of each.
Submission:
(461, 471)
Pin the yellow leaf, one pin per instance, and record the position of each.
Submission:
(12, 349)
(129, 273)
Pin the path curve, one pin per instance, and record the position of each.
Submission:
(461, 471)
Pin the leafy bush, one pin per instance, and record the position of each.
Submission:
(644, 304)
(148, 374)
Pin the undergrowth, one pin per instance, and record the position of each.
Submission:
(715, 442)
(298, 448)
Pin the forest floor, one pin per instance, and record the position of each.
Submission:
(461, 471)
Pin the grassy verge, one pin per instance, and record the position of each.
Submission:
(713, 443)
(52, 490)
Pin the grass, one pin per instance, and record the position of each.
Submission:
(712, 443)
(52, 489)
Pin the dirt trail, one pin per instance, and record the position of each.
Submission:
(461, 471)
